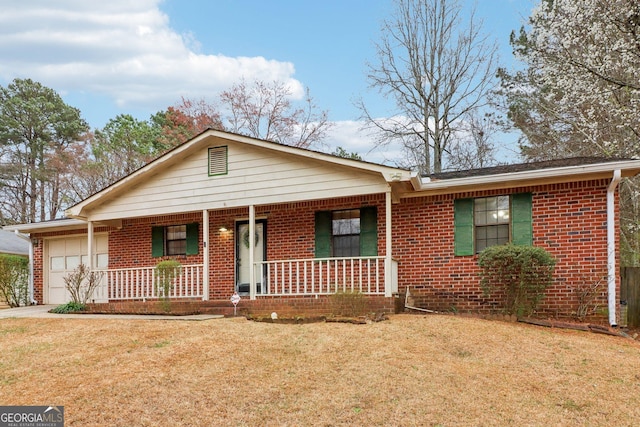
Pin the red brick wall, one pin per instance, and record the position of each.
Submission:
(38, 249)
(569, 220)
(130, 246)
(290, 235)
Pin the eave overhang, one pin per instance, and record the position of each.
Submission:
(554, 175)
(48, 226)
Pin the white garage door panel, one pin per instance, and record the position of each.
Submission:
(64, 255)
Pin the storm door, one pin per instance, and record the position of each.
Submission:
(243, 245)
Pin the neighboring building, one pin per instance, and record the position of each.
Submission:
(285, 227)
(12, 244)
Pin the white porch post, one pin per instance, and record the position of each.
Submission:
(388, 276)
(205, 255)
(90, 245)
(252, 270)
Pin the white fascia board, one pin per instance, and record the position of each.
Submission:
(560, 173)
(47, 226)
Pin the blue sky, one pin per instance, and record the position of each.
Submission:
(114, 57)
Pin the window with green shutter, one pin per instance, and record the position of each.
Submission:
(463, 226)
(369, 231)
(522, 219)
(174, 240)
(323, 234)
(483, 222)
(346, 233)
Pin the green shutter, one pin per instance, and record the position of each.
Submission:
(369, 231)
(463, 226)
(157, 241)
(521, 219)
(192, 239)
(323, 234)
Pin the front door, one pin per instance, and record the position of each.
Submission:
(243, 245)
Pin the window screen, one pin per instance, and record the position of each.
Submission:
(176, 239)
(491, 219)
(345, 230)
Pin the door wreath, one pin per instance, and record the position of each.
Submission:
(245, 238)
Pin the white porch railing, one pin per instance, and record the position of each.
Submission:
(316, 276)
(319, 276)
(141, 283)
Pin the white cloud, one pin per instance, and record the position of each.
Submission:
(121, 49)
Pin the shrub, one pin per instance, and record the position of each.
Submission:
(348, 303)
(14, 280)
(82, 283)
(165, 273)
(70, 307)
(519, 275)
(589, 292)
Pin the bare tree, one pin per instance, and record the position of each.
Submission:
(436, 70)
(265, 111)
(473, 147)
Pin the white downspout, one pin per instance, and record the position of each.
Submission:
(611, 247)
(205, 255)
(32, 300)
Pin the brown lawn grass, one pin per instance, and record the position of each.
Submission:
(409, 370)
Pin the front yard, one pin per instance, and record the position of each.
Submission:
(409, 370)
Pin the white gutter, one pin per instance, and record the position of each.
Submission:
(28, 239)
(451, 184)
(45, 226)
(611, 247)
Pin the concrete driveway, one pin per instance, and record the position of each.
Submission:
(42, 311)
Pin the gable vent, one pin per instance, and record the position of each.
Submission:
(217, 161)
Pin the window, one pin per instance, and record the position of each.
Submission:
(346, 233)
(488, 221)
(491, 221)
(174, 240)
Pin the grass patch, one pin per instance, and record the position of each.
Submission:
(409, 370)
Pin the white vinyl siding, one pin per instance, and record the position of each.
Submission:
(255, 176)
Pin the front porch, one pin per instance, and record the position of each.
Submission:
(300, 277)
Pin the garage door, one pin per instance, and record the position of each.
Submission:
(64, 256)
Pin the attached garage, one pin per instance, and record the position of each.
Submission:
(64, 255)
